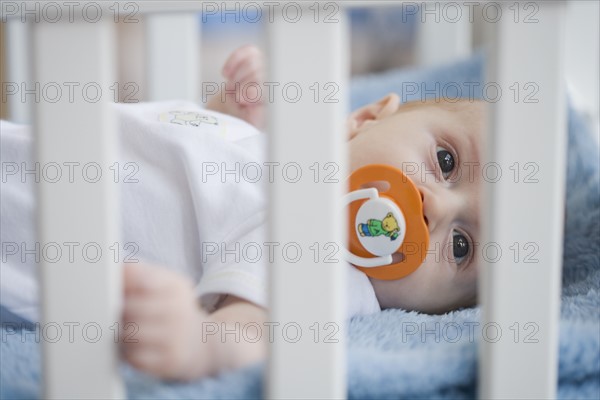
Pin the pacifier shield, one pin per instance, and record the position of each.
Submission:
(395, 217)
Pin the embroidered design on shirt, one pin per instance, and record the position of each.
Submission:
(190, 118)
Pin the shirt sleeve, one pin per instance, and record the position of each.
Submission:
(236, 266)
(239, 267)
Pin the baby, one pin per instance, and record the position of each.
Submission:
(436, 144)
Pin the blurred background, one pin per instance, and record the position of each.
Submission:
(381, 38)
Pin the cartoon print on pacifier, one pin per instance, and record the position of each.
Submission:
(388, 226)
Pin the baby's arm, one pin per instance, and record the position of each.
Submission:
(244, 74)
(174, 338)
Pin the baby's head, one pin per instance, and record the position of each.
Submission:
(438, 145)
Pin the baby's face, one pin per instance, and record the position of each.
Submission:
(438, 147)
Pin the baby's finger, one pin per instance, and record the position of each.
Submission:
(238, 56)
(155, 360)
(143, 278)
(250, 70)
(141, 334)
(246, 93)
(145, 358)
(251, 97)
(253, 114)
(249, 86)
(138, 308)
(133, 274)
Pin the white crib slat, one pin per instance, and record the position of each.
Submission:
(81, 295)
(305, 214)
(18, 70)
(523, 216)
(173, 56)
(583, 57)
(444, 34)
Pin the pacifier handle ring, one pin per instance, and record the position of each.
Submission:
(370, 262)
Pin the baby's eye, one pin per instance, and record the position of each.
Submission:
(460, 246)
(446, 161)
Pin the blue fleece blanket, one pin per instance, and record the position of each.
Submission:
(399, 354)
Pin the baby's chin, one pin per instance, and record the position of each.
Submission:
(423, 297)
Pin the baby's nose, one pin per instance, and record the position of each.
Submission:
(433, 211)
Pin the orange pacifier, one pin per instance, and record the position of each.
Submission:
(385, 223)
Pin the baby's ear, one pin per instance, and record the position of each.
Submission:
(371, 113)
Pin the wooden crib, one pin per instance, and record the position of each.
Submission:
(528, 216)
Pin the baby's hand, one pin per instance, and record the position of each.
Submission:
(161, 306)
(244, 74)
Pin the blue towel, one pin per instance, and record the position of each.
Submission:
(399, 354)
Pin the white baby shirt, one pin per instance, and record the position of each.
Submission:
(190, 201)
